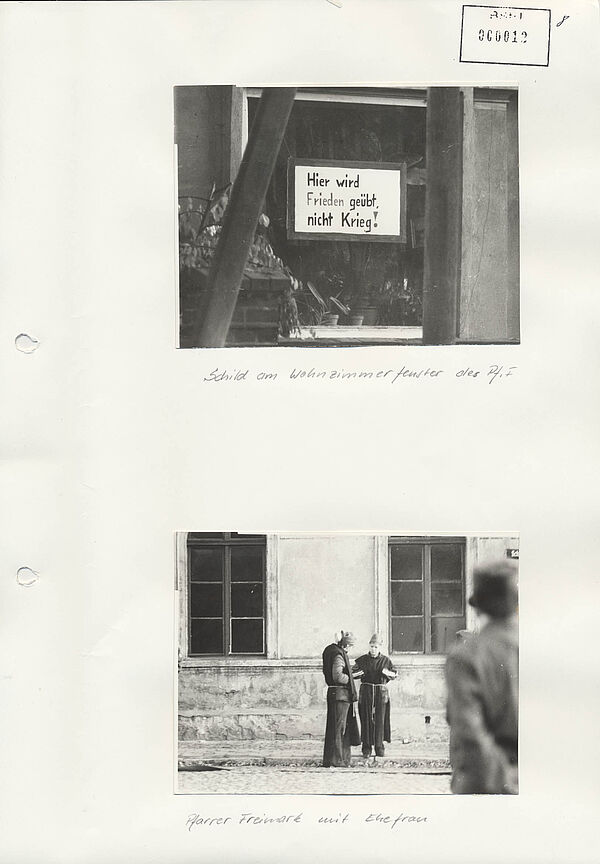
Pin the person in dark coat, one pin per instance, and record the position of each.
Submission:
(375, 670)
(482, 674)
(341, 731)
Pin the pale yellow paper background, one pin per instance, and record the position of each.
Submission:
(111, 441)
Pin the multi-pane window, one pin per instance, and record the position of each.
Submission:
(384, 280)
(427, 593)
(226, 596)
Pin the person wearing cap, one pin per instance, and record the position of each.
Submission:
(482, 676)
(375, 670)
(341, 731)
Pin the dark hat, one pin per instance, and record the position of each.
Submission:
(495, 589)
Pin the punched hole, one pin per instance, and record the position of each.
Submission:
(26, 344)
(27, 577)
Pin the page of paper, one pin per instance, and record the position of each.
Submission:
(114, 439)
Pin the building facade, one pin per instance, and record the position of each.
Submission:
(256, 611)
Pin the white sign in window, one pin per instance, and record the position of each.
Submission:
(347, 200)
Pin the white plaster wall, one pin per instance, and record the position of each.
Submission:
(481, 550)
(494, 548)
(325, 583)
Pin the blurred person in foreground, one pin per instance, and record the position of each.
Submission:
(341, 731)
(374, 670)
(482, 675)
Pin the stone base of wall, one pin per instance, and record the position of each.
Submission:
(299, 726)
(256, 315)
(248, 726)
(272, 702)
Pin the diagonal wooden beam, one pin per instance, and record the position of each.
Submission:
(241, 216)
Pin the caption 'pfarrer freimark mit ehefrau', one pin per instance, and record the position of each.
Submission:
(195, 820)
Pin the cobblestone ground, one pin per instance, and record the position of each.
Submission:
(257, 780)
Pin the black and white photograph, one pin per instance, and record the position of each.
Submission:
(347, 663)
(347, 216)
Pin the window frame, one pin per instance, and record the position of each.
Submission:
(395, 97)
(426, 543)
(227, 541)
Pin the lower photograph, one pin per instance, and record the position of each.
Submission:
(347, 664)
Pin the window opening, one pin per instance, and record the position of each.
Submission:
(427, 594)
(377, 283)
(226, 588)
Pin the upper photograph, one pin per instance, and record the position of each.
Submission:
(347, 216)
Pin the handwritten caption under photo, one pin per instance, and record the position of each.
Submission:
(197, 820)
(490, 374)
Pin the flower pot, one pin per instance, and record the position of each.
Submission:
(355, 320)
(329, 320)
(370, 315)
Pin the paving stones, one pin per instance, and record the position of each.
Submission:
(305, 753)
(275, 780)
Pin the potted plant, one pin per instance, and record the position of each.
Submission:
(199, 231)
(368, 310)
(356, 320)
(401, 303)
(327, 311)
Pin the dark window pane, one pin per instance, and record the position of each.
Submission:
(446, 562)
(206, 601)
(443, 633)
(246, 600)
(407, 634)
(206, 636)
(246, 564)
(249, 536)
(446, 598)
(247, 636)
(206, 565)
(406, 562)
(204, 535)
(407, 598)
